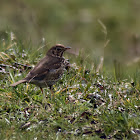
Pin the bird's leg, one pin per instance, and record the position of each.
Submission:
(41, 90)
(51, 89)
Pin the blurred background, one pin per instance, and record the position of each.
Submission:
(97, 27)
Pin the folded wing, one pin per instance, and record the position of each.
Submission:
(46, 65)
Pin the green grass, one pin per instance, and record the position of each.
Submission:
(85, 105)
(76, 23)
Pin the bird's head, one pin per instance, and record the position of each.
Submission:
(57, 50)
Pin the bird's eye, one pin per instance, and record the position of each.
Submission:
(58, 49)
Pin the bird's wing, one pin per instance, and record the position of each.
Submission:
(43, 67)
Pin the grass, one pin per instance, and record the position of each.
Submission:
(76, 23)
(85, 105)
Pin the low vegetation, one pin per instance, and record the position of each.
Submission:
(86, 104)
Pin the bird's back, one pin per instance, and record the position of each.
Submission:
(49, 69)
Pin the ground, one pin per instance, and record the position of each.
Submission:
(87, 103)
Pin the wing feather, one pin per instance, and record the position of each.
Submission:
(43, 67)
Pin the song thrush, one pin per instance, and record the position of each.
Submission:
(49, 70)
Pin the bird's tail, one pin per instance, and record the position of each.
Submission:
(18, 82)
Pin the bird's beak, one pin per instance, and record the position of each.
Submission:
(68, 47)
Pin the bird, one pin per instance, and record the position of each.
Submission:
(49, 69)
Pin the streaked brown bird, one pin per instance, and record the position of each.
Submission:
(48, 70)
